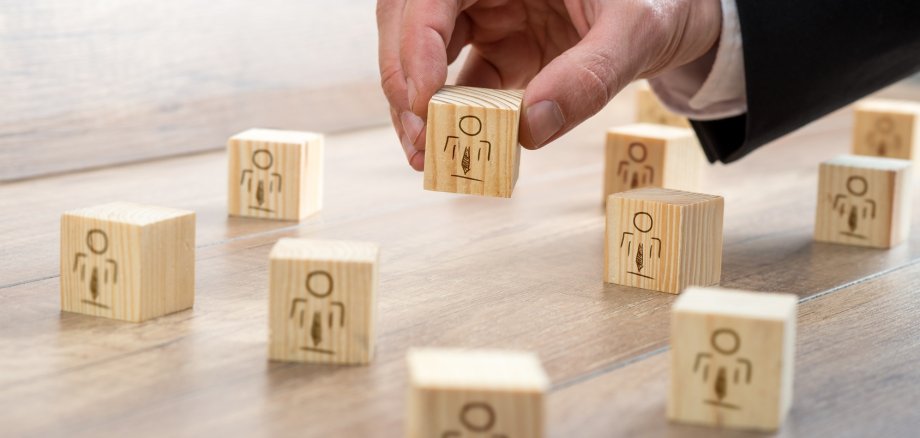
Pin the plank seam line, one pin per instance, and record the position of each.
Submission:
(649, 354)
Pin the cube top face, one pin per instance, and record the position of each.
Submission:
(663, 240)
(863, 201)
(646, 155)
(651, 110)
(483, 370)
(458, 393)
(471, 144)
(127, 261)
(274, 174)
(322, 301)
(732, 358)
(887, 128)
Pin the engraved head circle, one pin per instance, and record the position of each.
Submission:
(470, 125)
(319, 284)
(477, 417)
(643, 221)
(637, 152)
(884, 124)
(857, 185)
(725, 341)
(262, 159)
(97, 241)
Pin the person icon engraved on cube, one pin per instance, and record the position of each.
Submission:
(883, 138)
(98, 243)
(320, 315)
(266, 182)
(477, 418)
(634, 173)
(643, 223)
(470, 151)
(854, 206)
(726, 343)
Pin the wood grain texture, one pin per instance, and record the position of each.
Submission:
(864, 201)
(322, 301)
(647, 155)
(663, 239)
(887, 128)
(471, 145)
(524, 274)
(650, 110)
(457, 393)
(127, 261)
(732, 358)
(275, 174)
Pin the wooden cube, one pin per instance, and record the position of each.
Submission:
(127, 261)
(887, 128)
(275, 174)
(663, 239)
(646, 155)
(863, 201)
(471, 145)
(650, 110)
(464, 393)
(732, 358)
(322, 301)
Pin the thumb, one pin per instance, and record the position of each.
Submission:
(578, 83)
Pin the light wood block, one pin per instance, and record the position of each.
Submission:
(650, 110)
(647, 155)
(732, 358)
(663, 239)
(481, 393)
(322, 301)
(471, 145)
(275, 174)
(863, 201)
(127, 261)
(887, 128)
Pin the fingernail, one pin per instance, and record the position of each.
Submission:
(412, 125)
(545, 119)
(410, 86)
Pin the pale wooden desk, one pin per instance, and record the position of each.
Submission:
(457, 271)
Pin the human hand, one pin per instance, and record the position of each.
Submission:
(573, 56)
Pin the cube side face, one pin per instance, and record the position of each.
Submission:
(167, 252)
(101, 268)
(266, 180)
(450, 412)
(650, 110)
(683, 164)
(730, 371)
(471, 150)
(855, 206)
(322, 311)
(643, 244)
(701, 243)
(632, 162)
(886, 134)
(312, 181)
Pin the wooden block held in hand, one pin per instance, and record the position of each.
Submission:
(662, 239)
(887, 128)
(127, 261)
(472, 141)
(732, 358)
(863, 201)
(650, 110)
(461, 393)
(646, 155)
(275, 174)
(322, 301)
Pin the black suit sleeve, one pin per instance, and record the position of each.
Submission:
(806, 58)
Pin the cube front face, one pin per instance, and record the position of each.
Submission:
(646, 155)
(322, 311)
(888, 134)
(472, 141)
(862, 206)
(127, 271)
(450, 413)
(658, 245)
(274, 174)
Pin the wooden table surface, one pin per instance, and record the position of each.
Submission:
(456, 271)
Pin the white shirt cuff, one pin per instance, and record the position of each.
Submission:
(694, 92)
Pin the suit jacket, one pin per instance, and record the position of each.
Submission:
(806, 58)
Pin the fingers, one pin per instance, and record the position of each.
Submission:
(579, 82)
(426, 30)
(479, 72)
